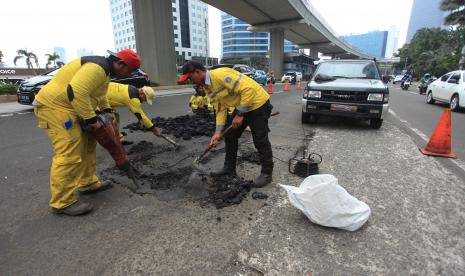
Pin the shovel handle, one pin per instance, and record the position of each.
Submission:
(228, 129)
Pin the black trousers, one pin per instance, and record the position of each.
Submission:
(257, 120)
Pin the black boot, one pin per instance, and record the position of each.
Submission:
(262, 180)
(224, 171)
(75, 209)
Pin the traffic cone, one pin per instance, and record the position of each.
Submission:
(298, 85)
(270, 88)
(440, 142)
(286, 86)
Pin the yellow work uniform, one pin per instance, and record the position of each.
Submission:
(76, 91)
(120, 95)
(230, 89)
(198, 101)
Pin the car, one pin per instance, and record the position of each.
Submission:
(292, 77)
(260, 77)
(30, 87)
(242, 68)
(346, 88)
(397, 78)
(450, 88)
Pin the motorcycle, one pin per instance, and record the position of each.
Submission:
(270, 79)
(405, 85)
(424, 87)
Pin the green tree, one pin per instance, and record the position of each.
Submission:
(456, 9)
(28, 56)
(434, 51)
(52, 58)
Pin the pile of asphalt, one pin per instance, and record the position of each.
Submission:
(227, 190)
(185, 127)
(249, 156)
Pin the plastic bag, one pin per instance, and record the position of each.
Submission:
(326, 203)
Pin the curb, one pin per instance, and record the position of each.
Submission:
(172, 87)
(8, 98)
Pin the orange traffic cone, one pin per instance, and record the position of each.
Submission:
(286, 86)
(270, 88)
(298, 85)
(440, 142)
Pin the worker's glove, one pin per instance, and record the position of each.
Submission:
(98, 124)
(156, 131)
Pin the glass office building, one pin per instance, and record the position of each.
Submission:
(425, 14)
(190, 23)
(371, 43)
(238, 42)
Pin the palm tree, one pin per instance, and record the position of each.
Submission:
(1, 59)
(23, 53)
(457, 12)
(52, 58)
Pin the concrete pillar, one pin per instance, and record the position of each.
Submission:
(153, 26)
(277, 52)
(314, 53)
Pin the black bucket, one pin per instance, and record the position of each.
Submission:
(304, 167)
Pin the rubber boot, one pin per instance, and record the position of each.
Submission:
(262, 180)
(76, 209)
(105, 185)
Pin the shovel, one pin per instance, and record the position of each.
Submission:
(196, 164)
(171, 141)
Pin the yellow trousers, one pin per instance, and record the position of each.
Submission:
(74, 162)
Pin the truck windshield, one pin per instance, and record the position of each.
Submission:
(349, 70)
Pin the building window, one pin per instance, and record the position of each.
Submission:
(174, 9)
(175, 35)
(174, 18)
(184, 21)
(176, 44)
(175, 27)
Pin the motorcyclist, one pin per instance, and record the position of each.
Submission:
(270, 78)
(425, 81)
(407, 77)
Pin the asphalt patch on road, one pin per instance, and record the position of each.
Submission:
(185, 127)
(249, 155)
(153, 163)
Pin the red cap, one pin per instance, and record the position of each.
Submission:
(130, 58)
(183, 78)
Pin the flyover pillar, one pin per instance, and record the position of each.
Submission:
(153, 26)
(314, 53)
(277, 52)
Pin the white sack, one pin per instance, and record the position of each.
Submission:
(326, 203)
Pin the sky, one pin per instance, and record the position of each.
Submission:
(42, 25)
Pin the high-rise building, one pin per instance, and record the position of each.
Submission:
(81, 52)
(425, 14)
(392, 41)
(62, 53)
(190, 21)
(238, 42)
(372, 43)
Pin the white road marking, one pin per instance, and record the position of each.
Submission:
(459, 163)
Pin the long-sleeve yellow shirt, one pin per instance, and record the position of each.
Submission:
(79, 87)
(127, 95)
(229, 88)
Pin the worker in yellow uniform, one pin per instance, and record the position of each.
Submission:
(127, 95)
(229, 88)
(72, 96)
(199, 102)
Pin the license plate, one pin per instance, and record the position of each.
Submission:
(24, 98)
(345, 108)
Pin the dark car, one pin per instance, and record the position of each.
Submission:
(346, 88)
(242, 68)
(30, 87)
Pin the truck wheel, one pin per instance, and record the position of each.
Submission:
(312, 119)
(429, 98)
(454, 103)
(305, 119)
(376, 123)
